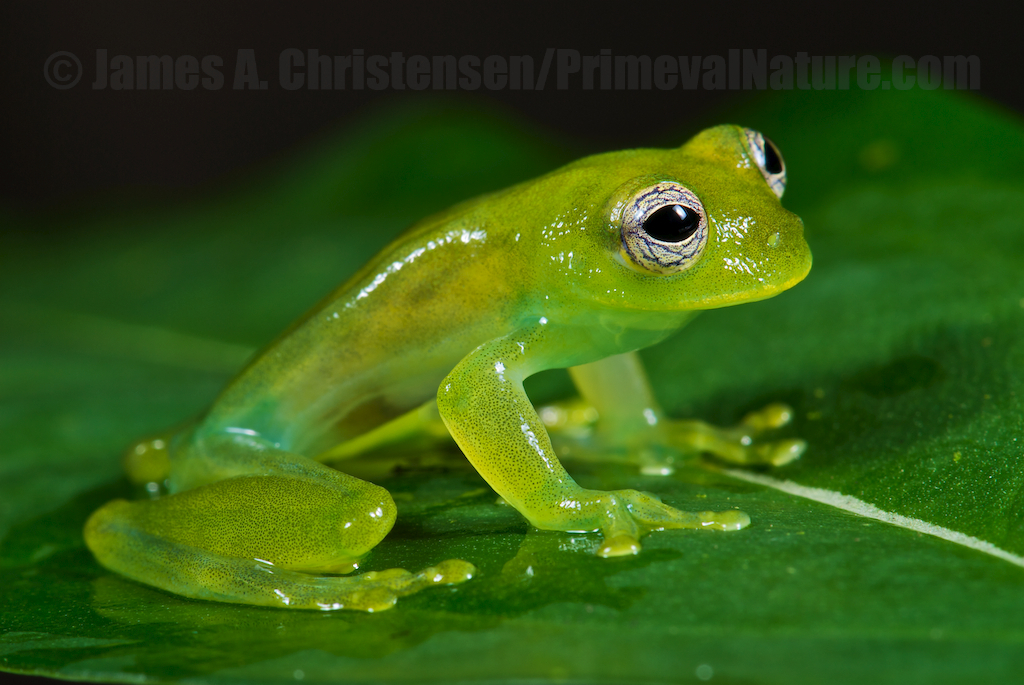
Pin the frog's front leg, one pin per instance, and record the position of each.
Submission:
(484, 406)
(252, 524)
(629, 423)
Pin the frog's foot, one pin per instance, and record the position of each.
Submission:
(624, 516)
(656, 449)
(739, 444)
(371, 591)
(380, 590)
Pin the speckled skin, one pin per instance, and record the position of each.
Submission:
(464, 306)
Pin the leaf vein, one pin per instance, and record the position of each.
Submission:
(868, 510)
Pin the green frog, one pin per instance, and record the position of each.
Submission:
(577, 269)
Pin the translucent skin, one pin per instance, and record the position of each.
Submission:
(462, 307)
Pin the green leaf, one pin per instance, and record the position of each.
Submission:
(902, 353)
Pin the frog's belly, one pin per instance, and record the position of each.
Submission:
(308, 400)
(345, 370)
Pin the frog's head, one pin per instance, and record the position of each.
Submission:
(697, 227)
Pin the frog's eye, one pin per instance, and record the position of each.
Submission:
(664, 228)
(768, 159)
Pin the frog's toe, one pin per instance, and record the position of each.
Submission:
(618, 546)
(782, 452)
(776, 453)
(448, 572)
(731, 519)
(775, 415)
(370, 600)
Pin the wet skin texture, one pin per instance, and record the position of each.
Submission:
(577, 269)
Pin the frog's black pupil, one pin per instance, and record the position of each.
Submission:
(772, 161)
(672, 223)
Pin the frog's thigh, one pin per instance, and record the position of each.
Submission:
(248, 538)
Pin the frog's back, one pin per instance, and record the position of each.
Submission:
(381, 343)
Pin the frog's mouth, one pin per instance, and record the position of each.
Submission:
(756, 294)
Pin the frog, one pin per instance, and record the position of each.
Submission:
(578, 269)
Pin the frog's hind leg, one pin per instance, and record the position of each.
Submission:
(260, 537)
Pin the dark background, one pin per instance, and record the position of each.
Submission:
(68, 148)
